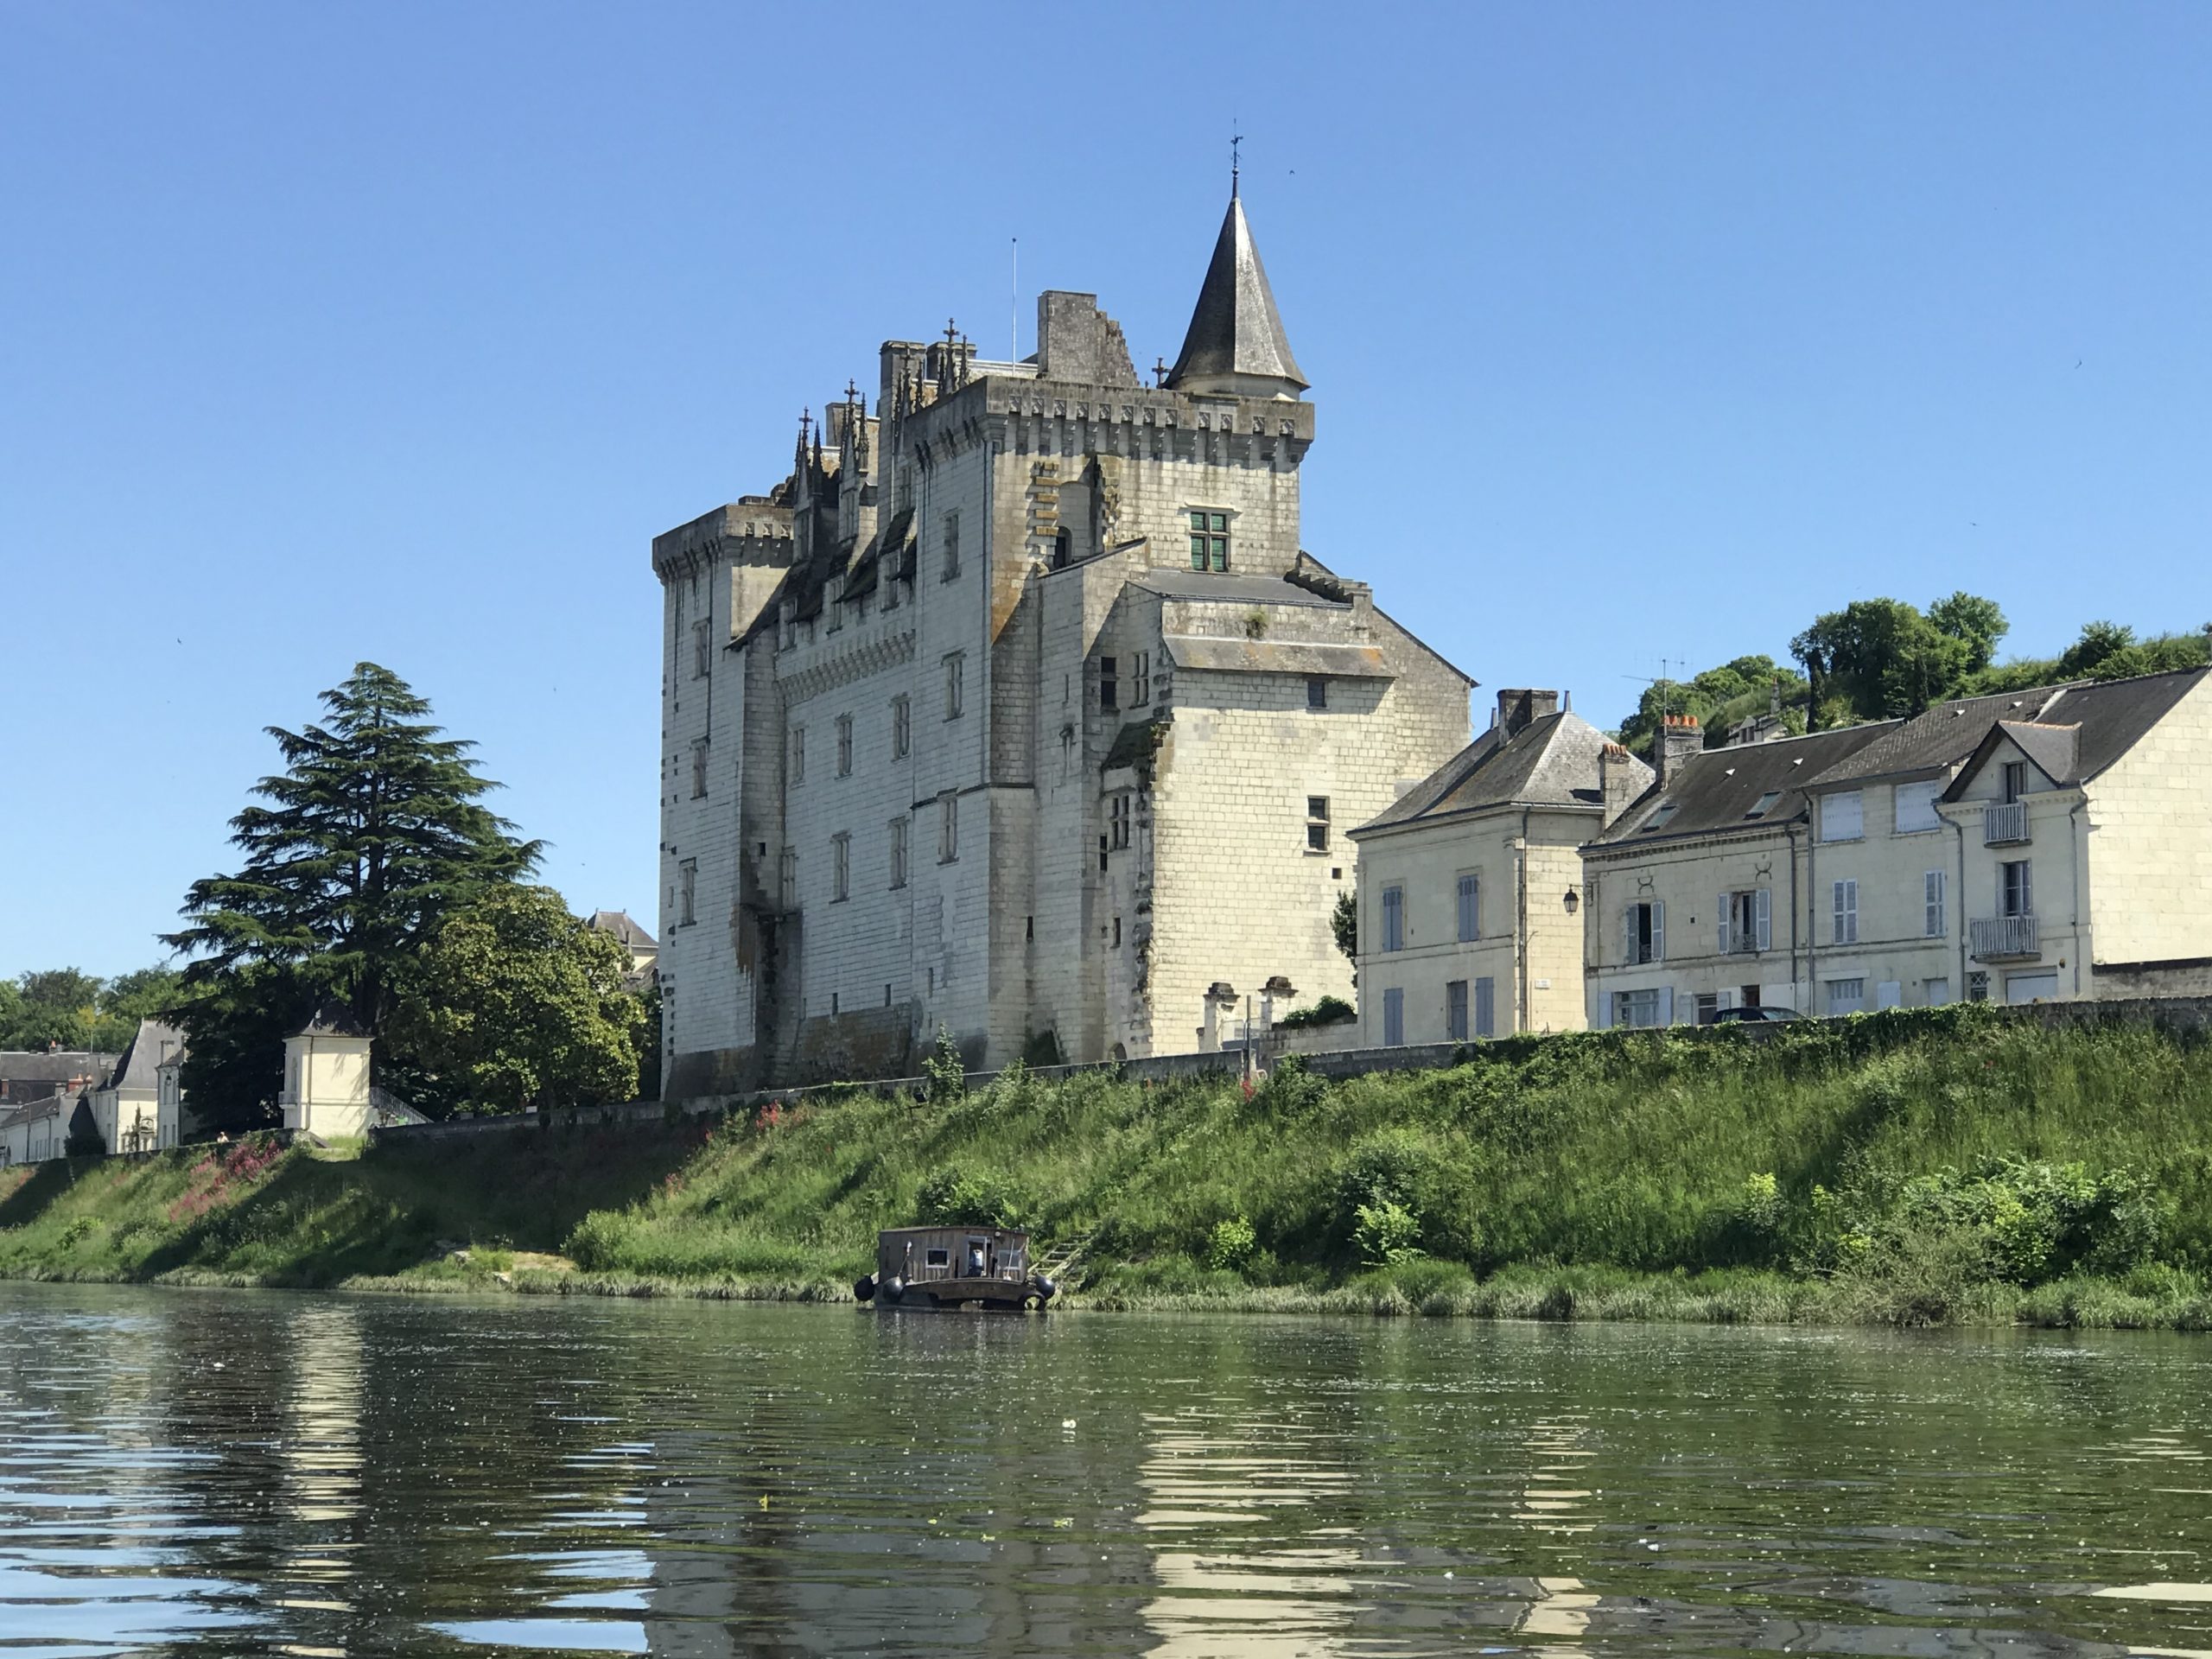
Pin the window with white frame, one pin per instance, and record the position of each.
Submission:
(1843, 816)
(687, 888)
(797, 768)
(1844, 913)
(1847, 995)
(1636, 1008)
(844, 746)
(1393, 918)
(698, 768)
(1916, 813)
(948, 827)
(1317, 823)
(2014, 778)
(948, 541)
(898, 852)
(1644, 932)
(1978, 986)
(841, 868)
(956, 683)
(1746, 921)
(2016, 891)
(1470, 908)
(902, 730)
(1935, 912)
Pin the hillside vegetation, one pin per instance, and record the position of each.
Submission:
(1915, 1165)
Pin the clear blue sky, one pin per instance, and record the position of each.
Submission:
(397, 332)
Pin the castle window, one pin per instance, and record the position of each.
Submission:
(1109, 684)
(950, 537)
(1317, 823)
(799, 754)
(1063, 548)
(833, 602)
(898, 855)
(841, 868)
(948, 828)
(699, 769)
(1117, 815)
(686, 875)
(902, 730)
(844, 746)
(1317, 692)
(787, 878)
(787, 629)
(1140, 679)
(1209, 540)
(955, 675)
(700, 650)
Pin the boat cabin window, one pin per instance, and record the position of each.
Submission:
(939, 1258)
(976, 1250)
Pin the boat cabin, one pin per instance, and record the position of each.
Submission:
(949, 1265)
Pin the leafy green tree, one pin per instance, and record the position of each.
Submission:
(1343, 924)
(54, 1008)
(1878, 658)
(1975, 621)
(1719, 697)
(360, 849)
(516, 1001)
(143, 994)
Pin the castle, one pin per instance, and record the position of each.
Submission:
(1016, 711)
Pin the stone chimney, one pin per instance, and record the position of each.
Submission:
(1679, 739)
(1620, 780)
(1519, 709)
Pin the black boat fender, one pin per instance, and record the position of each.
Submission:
(892, 1288)
(1045, 1288)
(864, 1287)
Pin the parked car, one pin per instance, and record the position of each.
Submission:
(1751, 1016)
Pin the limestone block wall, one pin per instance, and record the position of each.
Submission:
(1236, 894)
(2149, 844)
(2057, 853)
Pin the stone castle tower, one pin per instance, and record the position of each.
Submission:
(1016, 710)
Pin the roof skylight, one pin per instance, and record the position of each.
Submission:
(1764, 805)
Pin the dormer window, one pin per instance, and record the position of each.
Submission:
(1208, 539)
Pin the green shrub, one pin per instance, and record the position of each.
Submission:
(1229, 1247)
(944, 1071)
(1387, 1234)
(1328, 1011)
(955, 1197)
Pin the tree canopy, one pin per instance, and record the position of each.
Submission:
(64, 1007)
(356, 853)
(516, 1001)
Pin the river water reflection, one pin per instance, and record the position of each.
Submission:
(245, 1473)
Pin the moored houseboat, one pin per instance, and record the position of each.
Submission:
(950, 1267)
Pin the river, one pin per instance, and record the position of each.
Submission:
(256, 1473)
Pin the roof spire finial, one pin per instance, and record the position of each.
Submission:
(1235, 139)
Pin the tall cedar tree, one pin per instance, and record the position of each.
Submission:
(371, 836)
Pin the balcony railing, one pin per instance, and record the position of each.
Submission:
(1998, 938)
(2003, 823)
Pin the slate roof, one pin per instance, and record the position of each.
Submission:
(332, 1019)
(1170, 583)
(59, 1065)
(1552, 761)
(2084, 728)
(1941, 737)
(1235, 329)
(150, 1045)
(1716, 789)
(625, 928)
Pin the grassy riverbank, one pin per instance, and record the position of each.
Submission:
(1918, 1167)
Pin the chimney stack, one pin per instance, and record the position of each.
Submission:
(1621, 779)
(1679, 739)
(1519, 709)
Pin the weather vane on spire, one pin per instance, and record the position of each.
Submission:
(1235, 139)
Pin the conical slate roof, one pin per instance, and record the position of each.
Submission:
(1236, 329)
